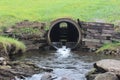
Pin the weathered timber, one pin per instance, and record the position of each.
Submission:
(96, 25)
(92, 34)
(96, 34)
(96, 40)
(108, 31)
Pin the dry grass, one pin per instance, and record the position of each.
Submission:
(8, 42)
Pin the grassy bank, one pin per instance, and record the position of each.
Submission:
(12, 11)
(9, 42)
(109, 46)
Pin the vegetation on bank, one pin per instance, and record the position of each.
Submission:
(109, 46)
(12, 11)
(7, 42)
(27, 30)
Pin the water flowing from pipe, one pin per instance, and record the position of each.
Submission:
(63, 52)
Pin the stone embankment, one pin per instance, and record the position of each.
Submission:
(107, 69)
(10, 70)
(115, 52)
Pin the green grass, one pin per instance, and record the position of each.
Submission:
(12, 11)
(109, 46)
(8, 42)
(27, 30)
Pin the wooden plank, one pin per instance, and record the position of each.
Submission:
(106, 35)
(98, 36)
(95, 40)
(96, 25)
(95, 34)
(91, 40)
(92, 44)
(108, 31)
(92, 31)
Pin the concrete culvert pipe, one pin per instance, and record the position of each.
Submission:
(64, 32)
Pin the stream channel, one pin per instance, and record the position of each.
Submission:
(73, 65)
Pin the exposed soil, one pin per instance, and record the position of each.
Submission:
(30, 32)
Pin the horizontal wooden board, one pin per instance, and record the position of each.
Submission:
(96, 25)
(108, 31)
(95, 40)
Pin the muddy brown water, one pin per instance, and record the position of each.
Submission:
(74, 66)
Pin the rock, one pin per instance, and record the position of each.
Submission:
(108, 65)
(91, 74)
(47, 76)
(6, 75)
(118, 51)
(106, 76)
(47, 69)
(9, 30)
(18, 69)
(65, 78)
(5, 67)
(3, 61)
(107, 69)
(25, 68)
(115, 52)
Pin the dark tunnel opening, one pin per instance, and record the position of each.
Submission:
(69, 33)
(64, 33)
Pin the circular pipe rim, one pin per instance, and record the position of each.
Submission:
(66, 20)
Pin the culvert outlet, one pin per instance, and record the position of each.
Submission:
(64, 32)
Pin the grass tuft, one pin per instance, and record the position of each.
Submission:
(8, 42)
(109, 46)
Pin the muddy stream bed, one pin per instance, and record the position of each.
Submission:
(73, 66)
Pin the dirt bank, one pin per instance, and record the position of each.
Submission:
(29, 32)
